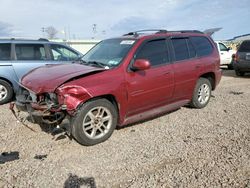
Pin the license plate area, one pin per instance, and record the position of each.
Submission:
(247, 56)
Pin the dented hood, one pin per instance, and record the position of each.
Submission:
(48, 78)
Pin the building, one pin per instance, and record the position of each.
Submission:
(80, 45)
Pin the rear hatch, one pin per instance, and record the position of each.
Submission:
(243, 54)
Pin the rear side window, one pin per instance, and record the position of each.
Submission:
(180, 49)
(245, 46)
(202, 45)
(30, 52)
(192, 52)
(5, 52)
(155, 51)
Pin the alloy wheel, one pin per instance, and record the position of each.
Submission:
(97, 122)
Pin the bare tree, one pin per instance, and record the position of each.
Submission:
(51, 32)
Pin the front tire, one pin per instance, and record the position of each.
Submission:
(202, 93)
(6, 92)
(94, 122)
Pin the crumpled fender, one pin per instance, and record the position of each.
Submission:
(72, 96)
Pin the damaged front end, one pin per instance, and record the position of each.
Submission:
(51, 108)
(42, 108)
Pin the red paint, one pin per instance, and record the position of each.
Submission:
(136, 92)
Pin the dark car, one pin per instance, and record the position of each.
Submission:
(242, 59)
(123, 80)
(19, 56)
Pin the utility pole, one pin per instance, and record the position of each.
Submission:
(94, 26)
(43, 29)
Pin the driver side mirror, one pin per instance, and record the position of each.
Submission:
(141, 64)
(229, 48)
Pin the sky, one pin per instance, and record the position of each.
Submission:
(76, 18)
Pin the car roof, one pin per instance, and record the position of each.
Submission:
(144, 34)
(29, 41)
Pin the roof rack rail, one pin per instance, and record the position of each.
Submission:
(186, 31)
(160, 31)
(137, 33)
(43, 39)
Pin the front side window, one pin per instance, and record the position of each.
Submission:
(180, 49)
(30, 52)
(61, 53)
(202, 45)
(222, 47)
(5, 52)
(109, 52)
(155, 51)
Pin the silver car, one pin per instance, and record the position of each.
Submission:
(17, 57)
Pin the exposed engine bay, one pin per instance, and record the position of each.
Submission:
(42, 109)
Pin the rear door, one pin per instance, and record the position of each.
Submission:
(186, 67)
(154, 86)
(6, 70)
(27, 57)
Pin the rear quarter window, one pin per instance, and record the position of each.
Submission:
(5, 52)
(202, 45)
(244, 47)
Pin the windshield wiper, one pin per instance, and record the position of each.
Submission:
(100, 64)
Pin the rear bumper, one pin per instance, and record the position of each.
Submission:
(242, 66)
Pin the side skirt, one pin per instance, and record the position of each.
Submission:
(154, 112)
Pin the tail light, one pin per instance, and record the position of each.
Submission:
(236, 57)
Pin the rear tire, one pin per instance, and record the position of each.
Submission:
(230, 66)
(202, 93)
(239, 73)
(6, 92)
(94, 122)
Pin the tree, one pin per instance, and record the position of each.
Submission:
(51, 32)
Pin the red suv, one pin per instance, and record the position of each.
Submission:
(121, 81)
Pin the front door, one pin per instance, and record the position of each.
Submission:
(154, 86)
(28, 57)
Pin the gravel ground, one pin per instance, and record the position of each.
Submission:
(186, 148)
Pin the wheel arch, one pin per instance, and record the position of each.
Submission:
(5, 79)
(211, 77)
(111, 98)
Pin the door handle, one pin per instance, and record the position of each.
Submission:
(166, 73)
(198, 66)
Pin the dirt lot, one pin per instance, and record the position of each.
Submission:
(186, 148)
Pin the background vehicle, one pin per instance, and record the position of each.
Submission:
(242, 59)
(226, 54)
(17, 57)
(123, 80)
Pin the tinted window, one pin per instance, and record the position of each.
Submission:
(245, 46)
(155, 51)
(30, 52)
(192, 52)
(202, 45)
(180, 49)
(5, 52)
(61, 53)
(222, 47)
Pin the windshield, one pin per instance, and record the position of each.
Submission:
(109, 52)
